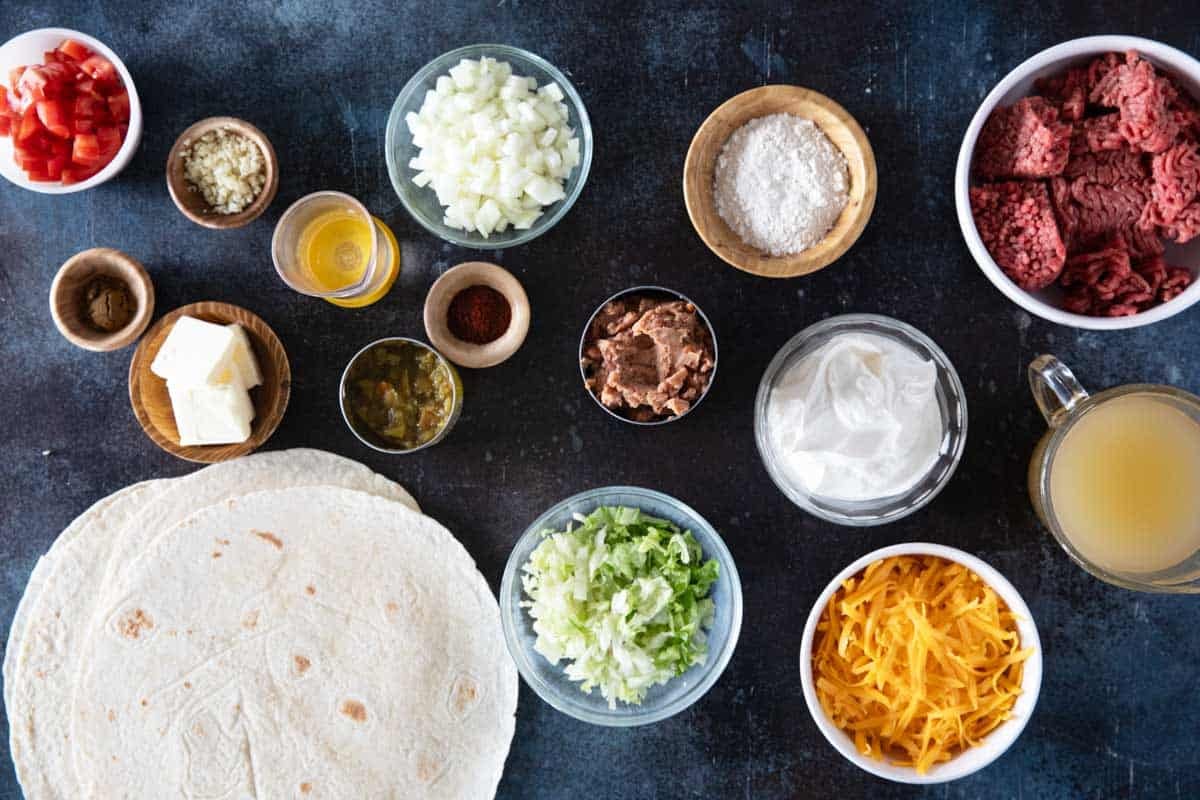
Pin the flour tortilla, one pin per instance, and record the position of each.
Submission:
(42, 655)
(281, 469)
(37, 579)
(297, 643)
(41, 661)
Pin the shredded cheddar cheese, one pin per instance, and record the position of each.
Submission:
(917, 659)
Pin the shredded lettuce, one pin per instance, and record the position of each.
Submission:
(623, 598)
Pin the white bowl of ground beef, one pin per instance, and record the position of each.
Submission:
(1048, 303)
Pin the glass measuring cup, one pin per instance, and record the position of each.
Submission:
(1116, 478)
(289, 250)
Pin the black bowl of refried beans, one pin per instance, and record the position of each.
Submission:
(648, 355)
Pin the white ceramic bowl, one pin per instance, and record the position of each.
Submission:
(995, 743)
(28, 49)
(1018, 84)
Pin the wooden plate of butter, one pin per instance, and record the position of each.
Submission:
(209, 382)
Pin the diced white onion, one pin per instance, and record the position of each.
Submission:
(494, 147)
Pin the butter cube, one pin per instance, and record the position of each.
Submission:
(243, 358)
(197, 352)
(211, 414)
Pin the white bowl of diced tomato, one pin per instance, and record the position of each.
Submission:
(70, 118)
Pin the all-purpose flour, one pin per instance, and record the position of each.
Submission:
(780, 183)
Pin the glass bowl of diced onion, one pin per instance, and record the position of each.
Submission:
(518, 221)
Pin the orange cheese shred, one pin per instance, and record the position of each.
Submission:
(917, 659)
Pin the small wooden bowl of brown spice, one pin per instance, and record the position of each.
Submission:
(477, 314)
(101, 299)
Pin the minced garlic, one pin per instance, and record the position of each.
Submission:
(227, 168)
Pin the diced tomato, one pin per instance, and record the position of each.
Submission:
(86, 150)
(77, 174)
(85, 106)
(32, 83)
(14, 78)
(5, 125)
(54, 117)
(30, 126)
(59, 147)
(110, 143)
(74, 50)
(83, 125)
(39, 174)
(100, 68)
(88, 86)
(55, 166)
(118, 104)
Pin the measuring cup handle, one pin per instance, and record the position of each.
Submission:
(1054, 388)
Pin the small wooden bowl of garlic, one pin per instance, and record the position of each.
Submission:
(222, 173)
(780, 181)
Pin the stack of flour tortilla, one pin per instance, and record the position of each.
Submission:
(286, 625)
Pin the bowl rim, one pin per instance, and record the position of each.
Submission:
(455, 404)
(700, 201)
(712, 376)
(633, 715)
(133, 136)
(177, 182)
(408, 93)
(997, 742)
(1157, 52)
(855, 322)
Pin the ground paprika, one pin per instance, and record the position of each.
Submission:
(479, 314)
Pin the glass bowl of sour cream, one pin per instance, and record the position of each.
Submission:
(860, 419)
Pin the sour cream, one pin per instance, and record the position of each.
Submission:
(857, 419)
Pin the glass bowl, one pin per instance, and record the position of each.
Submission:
(422, 203)
(952, 403)
(372, 439)
(550, 681)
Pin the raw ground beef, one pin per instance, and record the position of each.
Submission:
(1024, 140)
(1095, 218)
(1017, 226)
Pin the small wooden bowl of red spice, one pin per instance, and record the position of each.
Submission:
(477, 314)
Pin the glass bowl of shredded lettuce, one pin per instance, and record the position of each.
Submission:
(621, 606)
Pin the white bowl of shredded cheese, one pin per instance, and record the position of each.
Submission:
(992, 745)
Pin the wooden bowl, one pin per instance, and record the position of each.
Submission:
(191, 202)
(67, 298)
(437, 307)
(152, 404)
(835, 122)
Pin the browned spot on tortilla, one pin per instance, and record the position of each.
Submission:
(187, 684)
(305, 787)
(302, 664)
(354, 710)
(222, 541)
(392, 607)
(132, 623)
(112, 715)
(310, 589)
(250, 621)
(40, 674)
(267, 536)
(216, 554)
(463, 696)
(429, 768)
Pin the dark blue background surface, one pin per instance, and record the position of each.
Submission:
(1119, 714)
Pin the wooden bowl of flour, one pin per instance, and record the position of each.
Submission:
(835, 122)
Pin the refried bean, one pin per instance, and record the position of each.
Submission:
(648, 358)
